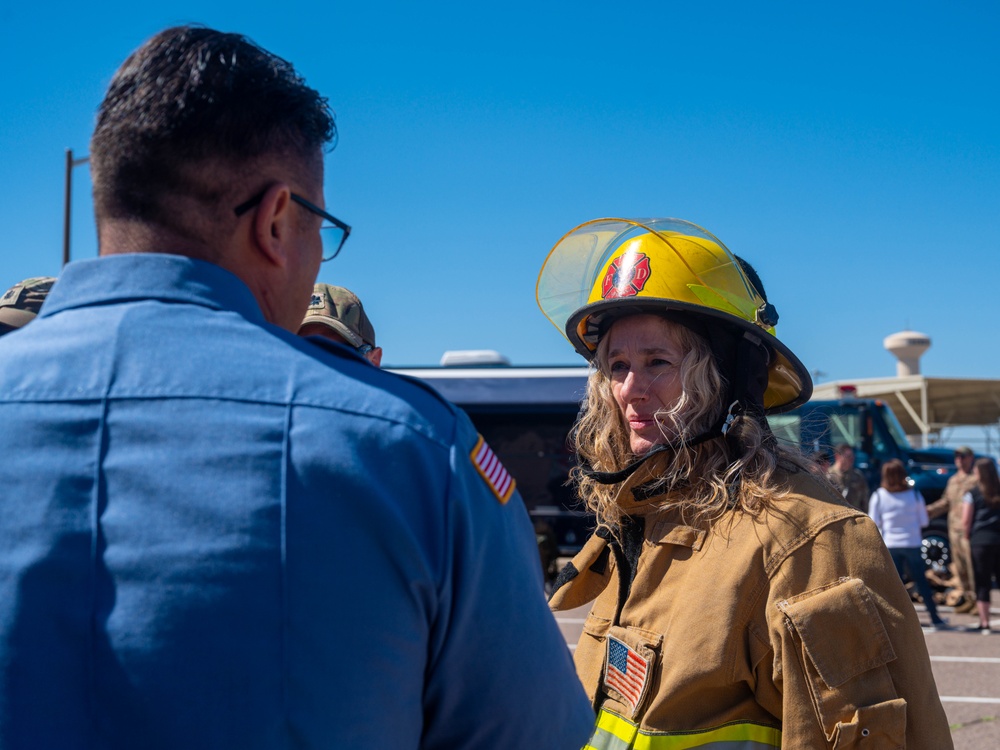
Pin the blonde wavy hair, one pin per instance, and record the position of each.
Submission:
(703, 480)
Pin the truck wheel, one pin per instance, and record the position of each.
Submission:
(936, 554)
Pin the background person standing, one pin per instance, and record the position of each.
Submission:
(851, 482)
(981, 521)
(20, 304)
(900, 513)
(337, 314)
(950, 502)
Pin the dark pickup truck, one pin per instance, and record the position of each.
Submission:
(870, 427)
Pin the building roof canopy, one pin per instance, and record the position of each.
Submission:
(925, 405)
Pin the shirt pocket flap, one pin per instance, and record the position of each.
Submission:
(840, 629)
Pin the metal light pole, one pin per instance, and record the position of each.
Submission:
(70, 163)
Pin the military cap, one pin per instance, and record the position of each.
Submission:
(20, 304)
(341, 310)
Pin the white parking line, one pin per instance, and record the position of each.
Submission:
(972, 659)
(967, 699)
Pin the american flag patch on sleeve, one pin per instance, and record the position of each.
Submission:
(626, 672)
(489, 467)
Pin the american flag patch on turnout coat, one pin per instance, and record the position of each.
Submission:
(626, 672)
(490, 468)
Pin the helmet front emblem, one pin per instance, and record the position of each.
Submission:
(626, 276)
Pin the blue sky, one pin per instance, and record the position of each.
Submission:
(850, 150)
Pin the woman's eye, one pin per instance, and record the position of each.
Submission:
(657, 362)
(619, 367)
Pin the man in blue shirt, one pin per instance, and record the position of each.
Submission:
(214, 533)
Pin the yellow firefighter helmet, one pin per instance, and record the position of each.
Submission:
(608, 268)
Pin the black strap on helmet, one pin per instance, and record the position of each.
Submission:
(746, 386)
(614, 477)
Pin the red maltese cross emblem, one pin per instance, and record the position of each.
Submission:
(626, 276)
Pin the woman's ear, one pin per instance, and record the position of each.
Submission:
(273, 224)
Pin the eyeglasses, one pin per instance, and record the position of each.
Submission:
(334, 232)
(364, 350)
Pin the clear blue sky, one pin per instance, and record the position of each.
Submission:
(850, 150)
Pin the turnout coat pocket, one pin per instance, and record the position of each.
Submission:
(842, 649)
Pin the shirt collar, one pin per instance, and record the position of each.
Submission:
(119, 278)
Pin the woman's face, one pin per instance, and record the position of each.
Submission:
(644, 356)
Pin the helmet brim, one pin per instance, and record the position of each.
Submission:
(788, 381)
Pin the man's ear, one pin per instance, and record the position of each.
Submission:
(273, 224)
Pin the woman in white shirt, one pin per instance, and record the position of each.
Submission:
(900, 513)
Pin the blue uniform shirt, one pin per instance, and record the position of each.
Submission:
(216, 534)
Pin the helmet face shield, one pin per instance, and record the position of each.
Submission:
(664, 259)
(612, 267)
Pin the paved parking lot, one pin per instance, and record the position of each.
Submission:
(966, 668)
(967, 671)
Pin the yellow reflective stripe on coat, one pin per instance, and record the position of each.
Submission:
(615, 733)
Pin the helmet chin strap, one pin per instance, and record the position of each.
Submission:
(614, 477)
(746, 396)
(749, 382)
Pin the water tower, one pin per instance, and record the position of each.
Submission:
(907, 347)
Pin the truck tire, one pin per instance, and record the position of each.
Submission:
(935, 552)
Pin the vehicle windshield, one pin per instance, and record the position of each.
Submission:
(895, 428)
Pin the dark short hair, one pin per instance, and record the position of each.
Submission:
(841, 448)
(190, 97)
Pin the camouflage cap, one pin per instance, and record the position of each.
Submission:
(964, 450)
(341, 310)
(20, 304)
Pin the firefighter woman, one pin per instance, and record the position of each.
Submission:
(738, 601)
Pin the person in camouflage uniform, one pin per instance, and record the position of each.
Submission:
(847, 479)
(962, 481)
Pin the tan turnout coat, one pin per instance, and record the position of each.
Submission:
(788, 630)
